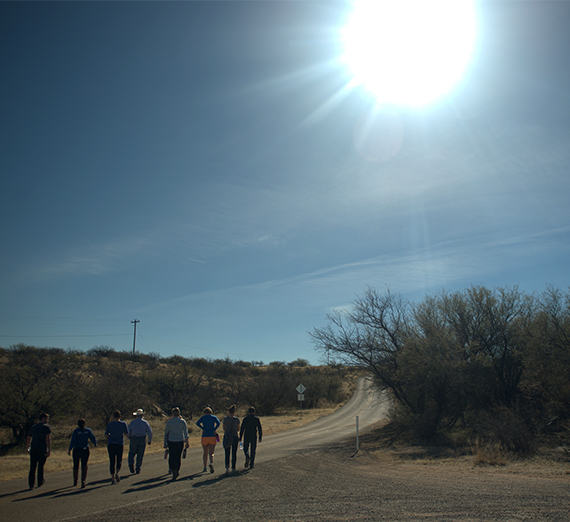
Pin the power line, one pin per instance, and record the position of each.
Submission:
(188, 346)
(58, 336)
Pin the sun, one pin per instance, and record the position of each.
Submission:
(409, 52)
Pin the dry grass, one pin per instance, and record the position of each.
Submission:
(490, 454)
(477, 456)
(17, 466)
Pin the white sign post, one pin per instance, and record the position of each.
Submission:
(301, 397)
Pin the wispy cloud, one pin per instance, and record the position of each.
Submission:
(445, 265)
(91, 260)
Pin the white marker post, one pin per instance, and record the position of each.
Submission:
(301, 397)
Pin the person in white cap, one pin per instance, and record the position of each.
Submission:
(139, 430)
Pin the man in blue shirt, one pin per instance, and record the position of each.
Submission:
(139, 430)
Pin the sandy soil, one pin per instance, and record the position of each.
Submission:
(337, 485)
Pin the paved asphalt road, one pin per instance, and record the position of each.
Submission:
(57, 500)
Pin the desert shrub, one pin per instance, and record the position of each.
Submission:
(35, 381)
(100, 351)
(488, 453)
(270, 390)
(504, 426)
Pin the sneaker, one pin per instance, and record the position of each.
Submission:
(132, 468)
(227, 471)
(204, 470)
(175, 475)
(247, 461)
(138, 471)
(117, 478)
(211, 468)
(113, 481)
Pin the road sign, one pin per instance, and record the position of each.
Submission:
(301, 397)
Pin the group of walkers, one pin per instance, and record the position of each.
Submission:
(139, 433)
(250, 431)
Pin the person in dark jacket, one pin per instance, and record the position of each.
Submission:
(251, 432)
(39, 446)
(231, 425)
(115, 433)
(80, 445)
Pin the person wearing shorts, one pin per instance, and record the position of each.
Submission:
(208, 423)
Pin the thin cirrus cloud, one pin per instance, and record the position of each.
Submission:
(91, 260)
(446, 265)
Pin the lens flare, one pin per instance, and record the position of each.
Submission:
(409, 52)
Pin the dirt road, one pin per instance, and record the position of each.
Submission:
(306, 474)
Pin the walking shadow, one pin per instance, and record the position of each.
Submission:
(15, 493)
(92, 486)
(43, 494)
(223, 476)
(156, 482)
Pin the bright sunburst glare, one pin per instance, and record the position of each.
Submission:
(409, 52)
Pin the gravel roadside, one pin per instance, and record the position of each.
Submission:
(335, 485)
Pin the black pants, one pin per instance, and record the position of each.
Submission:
(115, 457)
(175, 454)
(80, 454)
(233, 449)
(249, 447)
(37, 460)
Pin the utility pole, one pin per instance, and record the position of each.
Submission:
(135, 336)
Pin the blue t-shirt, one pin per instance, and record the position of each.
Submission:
(115, 430)
(209, 424)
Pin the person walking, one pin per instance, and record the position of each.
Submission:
(115, 433)
(175, 440)
(80, 445)
(250, 431)
(208, 423)
(139, 430)
(231, 439)
(39, 446)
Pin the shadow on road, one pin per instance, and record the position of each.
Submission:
(155, 482)
(46, 493)
(14, 493)
(217, 479)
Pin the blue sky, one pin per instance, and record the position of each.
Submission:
(194, 165)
